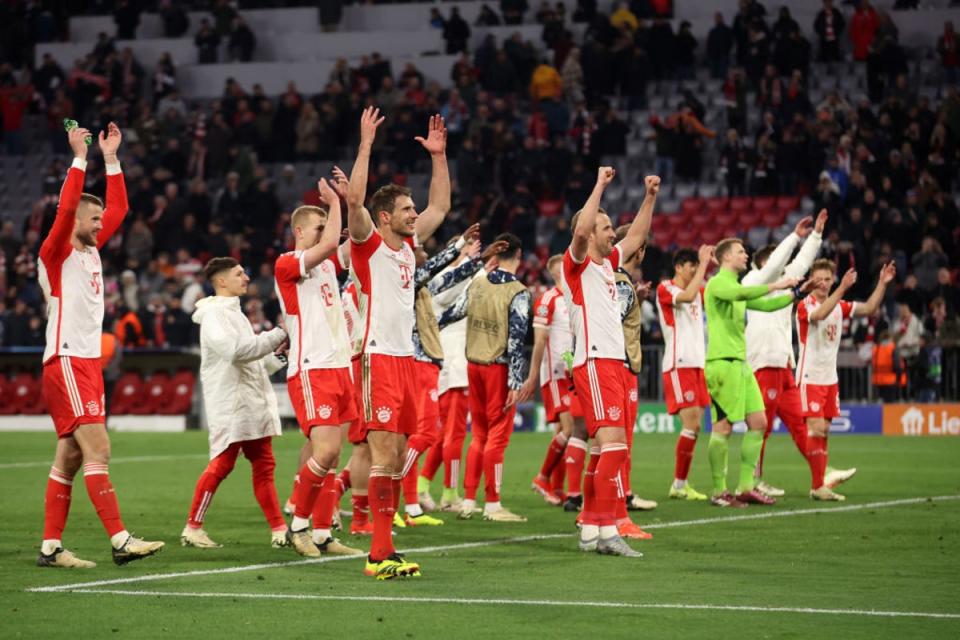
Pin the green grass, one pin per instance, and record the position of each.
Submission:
(886, 558)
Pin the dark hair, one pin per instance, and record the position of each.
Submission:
(216, 265)
(762, 255)
(576, 216)
(683, 256)
(513, 245)
(385, 199)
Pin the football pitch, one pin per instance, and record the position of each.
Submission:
(886, 563)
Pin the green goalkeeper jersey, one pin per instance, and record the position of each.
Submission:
(726, 302)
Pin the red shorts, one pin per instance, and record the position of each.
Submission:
(428, 406)
(387, 390)
(684, 388)
(322, 398)
(603, 393)
(73, 389)
(559, 396)
(820, 400)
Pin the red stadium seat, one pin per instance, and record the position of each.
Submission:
(716, 204)
(788, 203)
(129, 391)
(678, 220)
(748, 219)
(740, 204)
(712, 234)
(181, 394)
(764, 202)
(663, 237)
(702, 219)
(8, 406)
(685, 237)
(692, 205)
(773, 218)
(725, 219)
(156, 394)
(28, 394)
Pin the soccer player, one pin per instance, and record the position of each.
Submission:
(318, 374)
(497, 309)
(820, 319)
(770, 342)
(428, 360)
(734, 393)
(589, 287)
(552, 338)
(70, 275)
(241, 407)
(383, 265)
(680, 307)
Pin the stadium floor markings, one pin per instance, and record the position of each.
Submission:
(92, 587)
(535, 603)
(118, 460)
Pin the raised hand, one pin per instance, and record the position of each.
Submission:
(110, 140)
(340, 182)
(436, 141)
(471, 249)
(888, 273)
(369, 121)
(804, 226)
(822, 218)
(490, 253)
(76, 138)
(706, 253)
(643, 289)
(605, 176)
(784, 283)
(849, 279)
(653, 185)
(809, 285)
(472, 234)
(327, 193)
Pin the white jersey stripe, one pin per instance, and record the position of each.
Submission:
(71, 386)
(677, 392)
(595, 390)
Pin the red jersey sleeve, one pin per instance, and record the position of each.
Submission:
(572, 270)
(614, 257)
(57, 245)
(288, 268)
(360, 254)
(666, 298)
(116, 209)
(846, 308)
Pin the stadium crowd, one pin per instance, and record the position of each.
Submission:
(528, 125)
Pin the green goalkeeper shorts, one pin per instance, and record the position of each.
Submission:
(734, 392)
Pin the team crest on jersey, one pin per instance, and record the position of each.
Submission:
(772, 394)
(542, 311)
(325, 411)
(383, 414)
(93, 408)
(566, 401)
(614, 413)
(433, 395)
(633, 395)
(831, 332)
(689, 396)
(815, 406)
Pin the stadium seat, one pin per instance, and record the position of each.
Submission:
(180, 390)
(685, 237)
(692, 205)
(8, 406)
(725, 219)
(156, 395)
(716, 204)
(764, 202)
(128, 392)
(739, 204)
(772, 219)
(700, 220)
(788, 203)
(27, 393)
(746, 220)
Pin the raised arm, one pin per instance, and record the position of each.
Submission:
(825, 309)
(731, 290)
(518, 322)
(692, 290)
(117, 207)
(437, 263)
(868, 308)
(330, 237)
(439, 203)
(58, 243)
(799, 266)
(777, 261)
(588, 215)
(640, 227)
(770, 304)
(456, 311)
(358, 218)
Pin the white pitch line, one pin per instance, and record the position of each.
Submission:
(536, 603)
(120, 460)
(482, 543)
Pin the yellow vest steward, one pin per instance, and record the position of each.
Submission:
(427, 325)
(631, 330)
(488, 311)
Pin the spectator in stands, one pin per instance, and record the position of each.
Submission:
(927, 263)
(829, 25)
(176, 22)
(734, 163)
(784, 26)
(331, 12)
(436, 19)
(308, 132)
(456, 32)
(48, 78)
(571, 75)
(545, 83)
(14, 101)
(863, 29)
(719, 45)
(949, 54)
(127, 17)
(208, 43)
(906, 332)
(685, 46)
(624, 18)
(242, 41)
(513, 10)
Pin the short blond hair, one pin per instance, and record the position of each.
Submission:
(725, 246)
(301, 213)
(552, 260)
(823, 264)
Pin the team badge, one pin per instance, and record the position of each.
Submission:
(815, 406)
(325, 411)
(93, 408)
(433, 395)
(614, 413)
(772, 394)
(566, 401)
(633, 395)
(689, 395)
(383, 414)
(542, 311)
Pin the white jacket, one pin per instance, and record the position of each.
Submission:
(235, 368)
(769, 333)
(453, 338)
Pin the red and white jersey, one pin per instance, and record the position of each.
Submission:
(682, 326)
(550, 313)
(820, 341)
(72, 280)
(384, 279)
(351, 313)
(591, 292)
(312, 312)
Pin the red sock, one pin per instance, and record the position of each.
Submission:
(589, 496)
(554, 454)
(293, 490)
(433, 461)
(576, 456)
(607, 485)
(621, 511)
(343, 480)
(817, 458)
(556, 478)
(684, 454)
(798, 431)
(104, 499)
(471, 479)
(262, 462)
(397, 490)
(361, 509)
(381, 504)
(493, 475)
(56, 504)
(311, 483)
(410, 486)
(326, 503)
